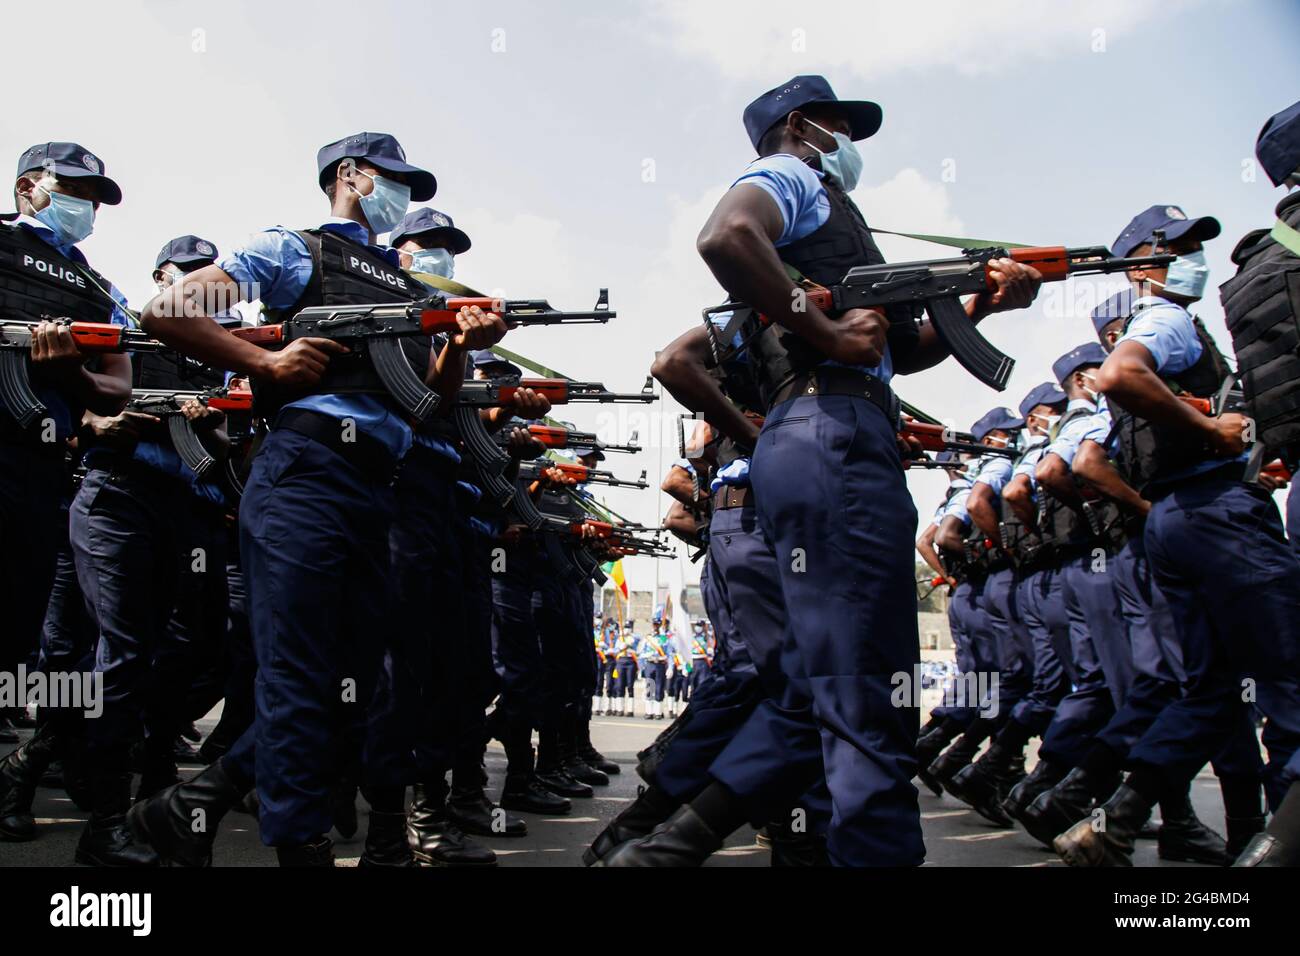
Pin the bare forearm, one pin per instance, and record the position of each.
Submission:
(178, 318)
(1092, 465)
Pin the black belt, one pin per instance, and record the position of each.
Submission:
(831, 380)
(731, 496)
(122, 465)
(367, 455)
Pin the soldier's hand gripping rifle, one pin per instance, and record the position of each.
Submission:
(376, 331)
(167, 405)
(91, 338)
(938, 285)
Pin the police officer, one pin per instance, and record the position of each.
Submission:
(791, 208)
(1215, 542)
(626, 655)
(1264, 262)
(654, 661)
(59, 188)
(424, 705)
(974, 524)
(317, 508)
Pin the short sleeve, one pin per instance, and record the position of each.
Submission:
(1168, 333)
(795, 188)
(274, 266)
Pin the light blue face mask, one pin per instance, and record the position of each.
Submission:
(844, 163)
(72, 219)
(386, 204)
(1187, 275)
(434, 262)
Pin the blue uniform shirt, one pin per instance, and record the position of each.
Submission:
(57, 408)
(798, 192)
(1165, 329)
(276, 263)
(1094, 427)
(1029, 461)
(995, 471)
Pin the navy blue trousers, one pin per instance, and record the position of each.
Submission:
(1012, 643)
(31, 523)
(1041, 603)
(1221, 559)
(841, 537)
(314, 544)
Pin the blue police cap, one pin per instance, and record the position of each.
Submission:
(431, 224)
(74, 162)
(1169, 219)
(779, 102)
(997, 419)
(186, 250)
(486, 358)
(1118, 306)
(1278, 145)
(381, 150)
(1090, 353)
(1046, 394)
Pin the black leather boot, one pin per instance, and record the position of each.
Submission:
(319, 852)
(1183, 837)
(181, 822)
(986, 783)
(107, 840)
(590, 755)
(951, 762)
(796, 849)
(684, 839)
(470, 810)
(1106, 838)
(1056, 810)
(1279, 845)
(928, 747)
(386, 843)
(436, 841)
(650, 808)
(1241, 832)
(551, 773)
(157, 773)
(1043, 777)
(343, 808)
(522, 792)
(20, 773)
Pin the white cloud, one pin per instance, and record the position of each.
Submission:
(766, 39)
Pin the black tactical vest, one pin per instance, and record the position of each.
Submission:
(1059, 524)
(1148, 452)
(168, 371)
(1261, 305)
(36, 282)
(347, 273)
(843, 241)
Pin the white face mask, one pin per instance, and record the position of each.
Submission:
(434, 262)
(1094, 395)
(844, 163)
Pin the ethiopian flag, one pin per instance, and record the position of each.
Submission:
(615, 571)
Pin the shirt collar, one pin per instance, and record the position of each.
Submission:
(353, 230)
(49, 237)
(1080, 403)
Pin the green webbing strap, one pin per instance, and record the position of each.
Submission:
(1286, 236)
(956, 242)
(455, 288)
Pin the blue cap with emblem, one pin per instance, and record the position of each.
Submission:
(779, 102)
(185, 251)
(1171, 220)
(430, 224)
(487, 359)
(1049, 393)
(378, 149)
(1118, 306)
(997, 419)
(74, 162)
(1278, 145)
(1090, 353)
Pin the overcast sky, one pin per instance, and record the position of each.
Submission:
(583, 144)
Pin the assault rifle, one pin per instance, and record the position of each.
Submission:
(376, 332)
(935, 437)
(583, 442)
(166, 405)
(1231, 399)
(938, 285)
(489, 458)
(91, 337)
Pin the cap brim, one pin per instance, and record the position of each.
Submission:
(187, 259)
(110, 194)
(460, 241)
(864, 117)
(421, 181)
(1203, 228)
